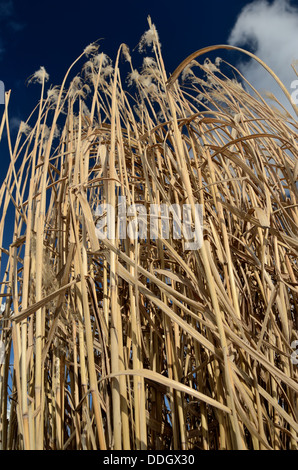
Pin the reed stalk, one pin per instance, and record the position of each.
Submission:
(136, 342)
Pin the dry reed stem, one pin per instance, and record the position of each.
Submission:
(143, 344)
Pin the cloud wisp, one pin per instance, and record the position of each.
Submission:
(269, 30)
(7, 20)
(6, 9)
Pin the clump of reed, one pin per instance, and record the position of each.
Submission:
(118, 343)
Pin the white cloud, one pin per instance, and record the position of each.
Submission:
(269, 30)
(14, 123)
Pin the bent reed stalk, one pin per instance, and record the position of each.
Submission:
(121, 343)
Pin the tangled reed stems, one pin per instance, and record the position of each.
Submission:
(122, 343)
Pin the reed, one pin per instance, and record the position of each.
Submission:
(141, 343)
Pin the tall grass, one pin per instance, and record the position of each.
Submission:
(143, 344)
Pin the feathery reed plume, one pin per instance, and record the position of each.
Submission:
(140, 343)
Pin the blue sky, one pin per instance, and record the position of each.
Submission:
(34, 34)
